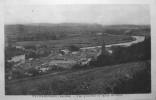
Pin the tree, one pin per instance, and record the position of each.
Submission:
(73, 48)
(33, 71)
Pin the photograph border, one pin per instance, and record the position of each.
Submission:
(149, 96)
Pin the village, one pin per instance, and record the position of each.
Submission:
(56, 60)
(41, 60)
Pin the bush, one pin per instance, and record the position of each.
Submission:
(140, 83)
(102, 60)
(33, 71)
(73, 48)
(18, 74)
(136, 52)
(30, 54)
(30, 47)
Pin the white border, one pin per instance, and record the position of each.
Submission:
(152, 4)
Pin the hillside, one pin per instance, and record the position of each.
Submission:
(45, 28)
(67, 28)
(123, 78)
(127, 26)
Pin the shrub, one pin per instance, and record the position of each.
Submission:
(33, 71)
(18, 74)
(73, 48)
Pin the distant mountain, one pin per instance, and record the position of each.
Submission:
(62, 24)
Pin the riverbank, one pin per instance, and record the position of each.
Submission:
(137, 39)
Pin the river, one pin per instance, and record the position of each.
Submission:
(137, 40)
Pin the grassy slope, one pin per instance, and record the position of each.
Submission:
(91, 81)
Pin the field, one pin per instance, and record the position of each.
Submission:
(80, 41)
(74, 28)
(71, 33)
(123, 78)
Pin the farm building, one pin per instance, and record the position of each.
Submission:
(18, 58)
(62, 63)
(19, 47)
(66, 51)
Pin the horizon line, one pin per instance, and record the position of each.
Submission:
(72, 23)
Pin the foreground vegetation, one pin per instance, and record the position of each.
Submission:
(124, 78)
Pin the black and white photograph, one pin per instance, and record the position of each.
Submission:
(77, 49)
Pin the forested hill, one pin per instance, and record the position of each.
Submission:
(66, 28)
(127, 27)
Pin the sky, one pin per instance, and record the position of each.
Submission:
(105, 14)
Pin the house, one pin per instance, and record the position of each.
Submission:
(63, 63)
(30, 58)
(43, 69)
(74, 53)
(58, 57)
(40, 51)
(37, 67)
(86, 62)
(19, 47)
(110, 51)
(99, 33)
(66, 51)
(18, 58)
(44, 64)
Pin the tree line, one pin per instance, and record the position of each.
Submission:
(136, 52)
(39, 37)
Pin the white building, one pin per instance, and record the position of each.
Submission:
(19, 47)
(18, 58)
(63, 63)
(74, 53)
(66, 51)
